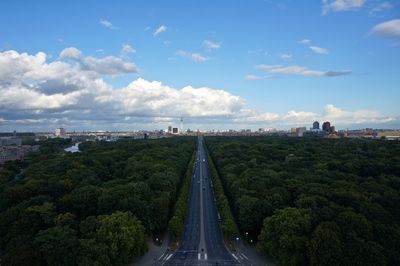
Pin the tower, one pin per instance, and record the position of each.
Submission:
(181, 125)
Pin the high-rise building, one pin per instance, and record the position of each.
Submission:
(175, 130)
(315, 125)
(60, 132)
(169, 129)
(326, 126)
(332, 129)
(300, 131)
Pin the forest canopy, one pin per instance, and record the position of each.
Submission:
(95, 207)
(314, 201)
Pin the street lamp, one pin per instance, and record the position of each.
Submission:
(237, 242)
(247, 234)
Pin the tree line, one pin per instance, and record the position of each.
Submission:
(314, 201)
(95, 207)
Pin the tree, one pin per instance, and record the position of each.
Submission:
(58, 245)
(124, 236)
(91, 252)
(284, 236)
(326, 246)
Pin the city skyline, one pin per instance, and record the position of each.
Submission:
(144, 65)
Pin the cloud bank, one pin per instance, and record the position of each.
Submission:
(72, 91)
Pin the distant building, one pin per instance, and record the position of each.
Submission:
(300, 131)
(7, 141)
(60, 132)
(326, 126)
(315, 125)
(11, 153)
(389, 135)
(175, 130)
(169, 129)
(332, 129)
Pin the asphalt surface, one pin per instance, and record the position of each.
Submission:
(202, 242)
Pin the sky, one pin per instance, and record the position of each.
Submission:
(130, 65)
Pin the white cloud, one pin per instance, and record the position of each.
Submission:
(303, 71)
(127, 50)
(253, 116)
(319, 50)
(192, 56)
(159, 30)
(340, 116)
(267, 67)
(389, 29)
(381, 7)
(72, 53)
(107, 24)
(154, 98)
(38, 93)
(286, 56)
(300, 116)
(256, 77)
(210, 45)
(305, 41)
(109, 65)
(297, 70)
(341, 5)
(20, 97)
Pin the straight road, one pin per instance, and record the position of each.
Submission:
(202, 242)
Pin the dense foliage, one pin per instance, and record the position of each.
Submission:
(177, 221)
(90, 208)
(228, 225)
(313, 201)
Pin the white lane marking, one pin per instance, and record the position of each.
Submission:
(162, 255)
(169, 256)
(236, 258)
(205, 256)
(245, 256)
(198, 256)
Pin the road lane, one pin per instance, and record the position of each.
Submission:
(202, 242)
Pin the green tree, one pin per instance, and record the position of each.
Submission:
(326, 246)
(284, 236)
(124, 236)
(58, 245)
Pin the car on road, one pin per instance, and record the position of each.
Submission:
(204, 160)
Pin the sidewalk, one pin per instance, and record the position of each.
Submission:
(249, 256)
(154, 252)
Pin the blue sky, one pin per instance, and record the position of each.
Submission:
(274, 63)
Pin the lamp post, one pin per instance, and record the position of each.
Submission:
(247, 234)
